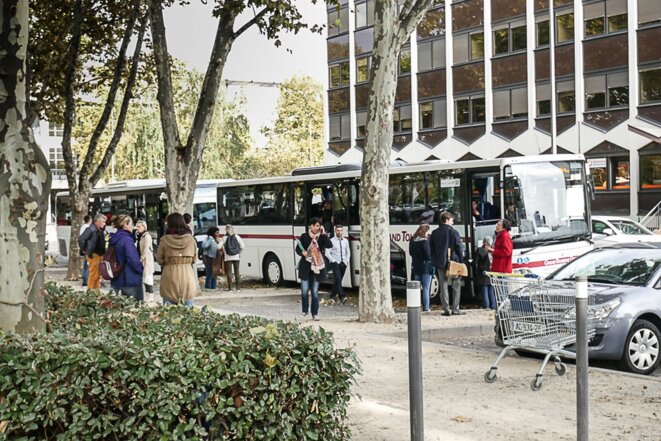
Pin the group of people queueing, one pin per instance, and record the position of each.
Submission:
(431, 254)
(222, 254)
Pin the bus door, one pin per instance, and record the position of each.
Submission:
(299, 219)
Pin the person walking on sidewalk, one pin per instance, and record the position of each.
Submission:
(232, 247)
(422, 268)
(92, 244)
(129, 280)
(502, 249)
(210, 248)
(311, 246)
(146, 251)
(484, 281)
(176, 255)
(87, 221)
(339, 255)
(445, 245)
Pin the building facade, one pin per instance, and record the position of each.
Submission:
(498, 78)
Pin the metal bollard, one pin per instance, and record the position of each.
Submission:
(582, 390)
(413, 306)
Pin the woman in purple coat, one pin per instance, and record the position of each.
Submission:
(129, 281)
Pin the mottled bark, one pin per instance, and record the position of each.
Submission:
(390, 32)
(25, 181)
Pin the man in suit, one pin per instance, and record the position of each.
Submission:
(338, 256)
(442, 239)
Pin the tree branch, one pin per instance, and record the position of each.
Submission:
(410, 16)
(74, 48)
(128, 94)
(112, 93)
(250, 22)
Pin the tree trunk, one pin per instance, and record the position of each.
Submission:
(180, 180)
(79, 208)
(375, 295)
(25, 182)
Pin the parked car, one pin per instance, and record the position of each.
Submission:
(607, 230)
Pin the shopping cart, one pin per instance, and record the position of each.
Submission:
(538, 316)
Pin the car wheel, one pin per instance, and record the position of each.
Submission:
(434, 287)
(641, 348)
(272, 270)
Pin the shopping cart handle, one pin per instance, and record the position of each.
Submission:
(494, 274)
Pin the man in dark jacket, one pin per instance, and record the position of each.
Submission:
(129, 281)
(311, 268)
(442, 239)
(92, 244)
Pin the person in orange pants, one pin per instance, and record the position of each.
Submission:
(94, 277)
(93, 245)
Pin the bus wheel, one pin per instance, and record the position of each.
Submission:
(272, 270)
(434, 287)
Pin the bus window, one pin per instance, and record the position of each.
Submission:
(63, 210)
(299, 205)
(270, 205)
(446, 193)
(151, 213)
(232, 199)
(354, 207)
(406, 198)
(340, 203)
(204, 217)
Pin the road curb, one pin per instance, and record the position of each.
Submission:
(434, 335)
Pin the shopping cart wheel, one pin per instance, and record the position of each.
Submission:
(491, 375)
(537, 382)
(560, 368)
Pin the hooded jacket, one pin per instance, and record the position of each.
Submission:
(127, 256)
(176, 255)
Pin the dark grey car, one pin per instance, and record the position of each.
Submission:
(626, 282)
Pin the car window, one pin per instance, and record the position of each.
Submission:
(617, 266)
(598, 227)
(629, 227)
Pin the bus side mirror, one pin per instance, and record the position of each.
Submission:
(608, 231)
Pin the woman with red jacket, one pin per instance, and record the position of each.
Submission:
(502, 249)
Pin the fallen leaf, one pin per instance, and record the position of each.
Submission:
(462, 419)
(3, 426)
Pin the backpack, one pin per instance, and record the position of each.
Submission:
(232, 247)
(109, 267)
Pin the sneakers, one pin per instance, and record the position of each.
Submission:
(458, 312)
(315, 318)
(446, 313)
(343, 301)
(304, 314)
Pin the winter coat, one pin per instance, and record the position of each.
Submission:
(146, 248)
(242, 246)
(483, 265)
(502, 253)
(442, 238)
(176, 256)
(420, 253)
(127, 256)
(304, 267)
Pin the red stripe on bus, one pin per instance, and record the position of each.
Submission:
(267, 236)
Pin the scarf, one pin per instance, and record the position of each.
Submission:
(314, 256)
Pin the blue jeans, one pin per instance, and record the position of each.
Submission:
(209, 279)
(86, 271)
(488, 297)
(188, 303)
(135, 292)
(425, 281)
(312, 285)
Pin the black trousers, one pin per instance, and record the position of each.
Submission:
(338, 275)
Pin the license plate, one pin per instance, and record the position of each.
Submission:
(529, 328)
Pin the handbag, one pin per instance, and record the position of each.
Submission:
(455, 269)
(218, 264)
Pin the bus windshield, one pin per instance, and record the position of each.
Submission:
(545, 202)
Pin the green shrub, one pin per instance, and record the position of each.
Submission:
(111, 369)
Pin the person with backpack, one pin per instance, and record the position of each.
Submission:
(210, 248)
(232, 246)
(176, 254)
(92, 244)
(129, 280)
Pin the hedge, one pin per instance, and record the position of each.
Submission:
(113, 369)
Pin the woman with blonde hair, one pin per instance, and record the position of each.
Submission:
(232, 247)
(129, 280)
(176, 254)
(146, 251)
(421, 266)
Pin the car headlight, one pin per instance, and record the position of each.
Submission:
(603, 310)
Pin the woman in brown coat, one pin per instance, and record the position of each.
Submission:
(176, 254)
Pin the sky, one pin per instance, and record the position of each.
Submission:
(190, 33)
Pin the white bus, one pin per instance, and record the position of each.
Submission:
(546, 199)
(141, 199)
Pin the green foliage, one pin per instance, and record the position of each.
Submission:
(112, 369)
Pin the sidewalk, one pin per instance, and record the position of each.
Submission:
(458, 404)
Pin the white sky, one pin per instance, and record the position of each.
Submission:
(190, 33)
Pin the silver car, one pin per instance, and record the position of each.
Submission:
(626, 282)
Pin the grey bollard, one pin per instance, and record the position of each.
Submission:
(582, 390)
(413, 306)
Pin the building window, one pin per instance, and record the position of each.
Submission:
(605, 17)
(611, 172)
(620, 173)
(433, 114)
(340, 127)
(469, 110)
(510, 37)
(361, 124)
(431, 55)
(543, 30)
(338, 74)
(510, 104)
(650, 171)
(363, 69)
(468, 47)
(564, 26)
(56, 130)
(364, 41)
(649, 12)
(338, 20)
(566, 97)
(402, 121)
(606, 91)
(405, 61)
(543, 92)
(599, 172)
(364, 14)
(650, 85)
